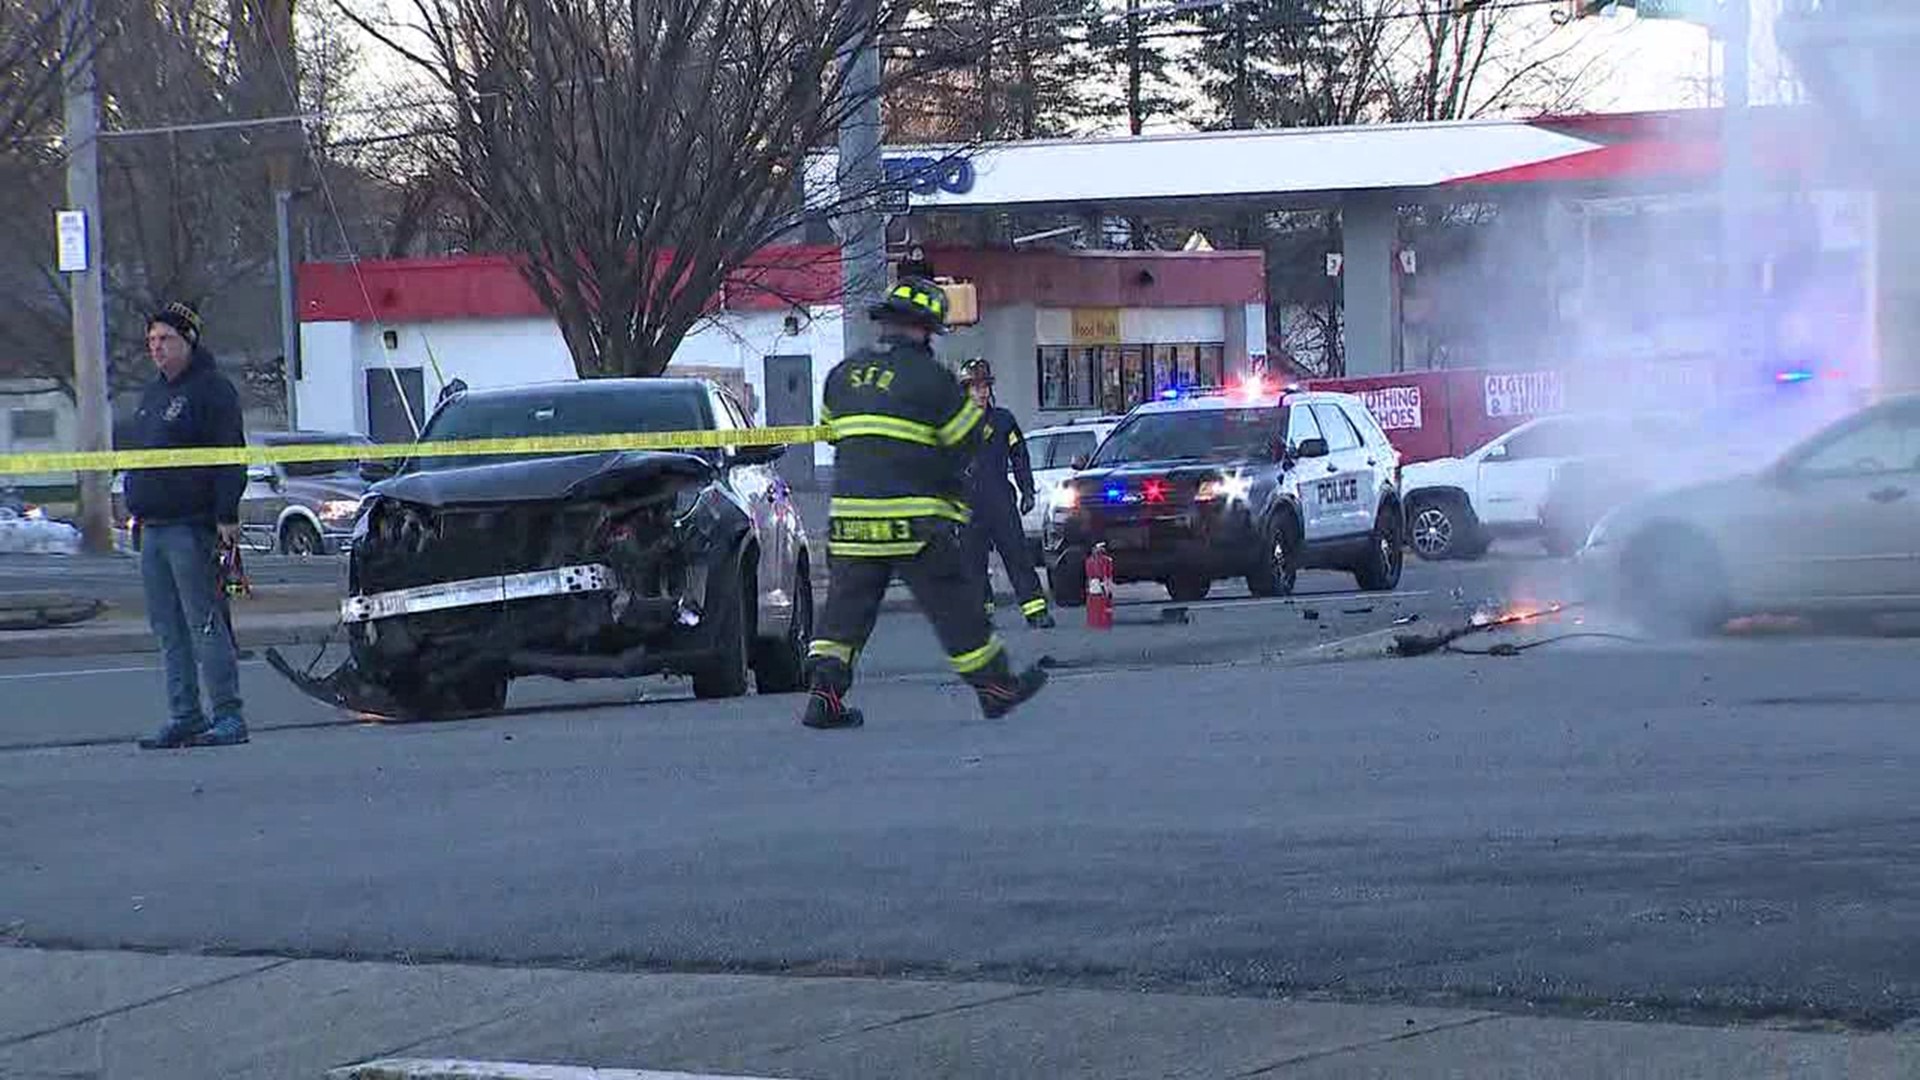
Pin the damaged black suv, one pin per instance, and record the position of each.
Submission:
(467, 572)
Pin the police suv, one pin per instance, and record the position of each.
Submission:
(1251, 481)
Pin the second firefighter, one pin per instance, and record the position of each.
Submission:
(995, 525)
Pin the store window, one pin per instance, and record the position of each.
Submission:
(1113, 379)
(1069, 376)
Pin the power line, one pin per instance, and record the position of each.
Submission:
(1145, 15)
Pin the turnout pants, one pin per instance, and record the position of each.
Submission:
(995, 526)
(941, 578)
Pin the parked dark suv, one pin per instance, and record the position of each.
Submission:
(467, 572)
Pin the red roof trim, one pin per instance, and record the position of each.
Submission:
(491, 286)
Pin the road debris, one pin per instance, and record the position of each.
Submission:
(1481, 621)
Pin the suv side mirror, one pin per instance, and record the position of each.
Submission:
(1312, 448)
(375, 471)
(261, 474)
(1079, 462)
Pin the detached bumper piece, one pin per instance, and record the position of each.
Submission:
(474, 592)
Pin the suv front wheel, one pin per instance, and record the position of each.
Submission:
(1379, 570)
(1277, 564)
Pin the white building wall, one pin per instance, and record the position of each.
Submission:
(337, 356)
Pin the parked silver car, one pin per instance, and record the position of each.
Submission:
(1830, 525)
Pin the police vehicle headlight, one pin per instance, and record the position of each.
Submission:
(1229, 488)
(1064, 498)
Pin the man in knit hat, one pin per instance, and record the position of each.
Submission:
(187, 516)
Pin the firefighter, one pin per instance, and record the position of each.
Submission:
(996, 518)
(903, 433)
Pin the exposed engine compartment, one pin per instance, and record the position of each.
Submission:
(667, 535)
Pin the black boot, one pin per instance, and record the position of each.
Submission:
(1000, 690)
(826, 708)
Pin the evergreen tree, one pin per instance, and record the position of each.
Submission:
(1131, 48)
(1257, 60)
(1021, 69)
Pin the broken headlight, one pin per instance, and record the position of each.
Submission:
(685, 500)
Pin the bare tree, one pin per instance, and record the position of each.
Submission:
(187, 213)
(638, 153)
(37, 39)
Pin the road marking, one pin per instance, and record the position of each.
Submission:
(96, 671)
(420, 1069)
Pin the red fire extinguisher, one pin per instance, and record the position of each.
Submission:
(1100, 589)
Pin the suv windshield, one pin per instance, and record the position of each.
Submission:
(571, 413)
(1192, 434)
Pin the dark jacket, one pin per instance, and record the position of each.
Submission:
(1002, 449)
(903, 433)
(201, 408)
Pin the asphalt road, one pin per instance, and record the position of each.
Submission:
(1724, 827)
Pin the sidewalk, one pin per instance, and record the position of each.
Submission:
(175, 1017)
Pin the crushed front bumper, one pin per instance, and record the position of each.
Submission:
(474, 592)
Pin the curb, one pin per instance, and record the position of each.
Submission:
(427, 1069)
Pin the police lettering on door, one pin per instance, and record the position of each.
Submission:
(1339, 490)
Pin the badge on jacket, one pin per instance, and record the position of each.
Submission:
(175, 406)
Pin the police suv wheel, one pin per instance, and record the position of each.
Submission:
(1380, 570)
(1188, 588)
(1067, 580)
(1276, 568)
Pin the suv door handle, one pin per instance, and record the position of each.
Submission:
(1888, 494)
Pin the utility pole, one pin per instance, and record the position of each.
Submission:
(289, 325)
(1738, 189)
(863, 226)
(88, 288)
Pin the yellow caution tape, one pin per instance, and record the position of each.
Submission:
(116, 460)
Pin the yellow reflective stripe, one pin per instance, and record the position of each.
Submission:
(1013, 439)
(969, 662)
(862, 549)
(838, 650)
(1036, 606)
(904, 507)
(882, 427)
(963, 421)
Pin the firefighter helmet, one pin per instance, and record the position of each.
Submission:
(976, 370)
(914, 300)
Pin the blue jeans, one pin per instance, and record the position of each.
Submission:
(180, 570)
